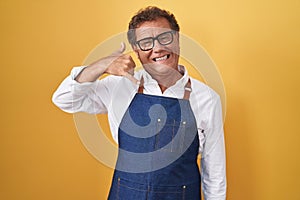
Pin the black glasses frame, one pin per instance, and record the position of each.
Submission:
(156, 38)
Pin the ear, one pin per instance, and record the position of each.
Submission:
(136, 50)
(177, 36)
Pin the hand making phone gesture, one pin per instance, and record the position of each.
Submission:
(117, 63)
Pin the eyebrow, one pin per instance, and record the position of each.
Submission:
(143, 35)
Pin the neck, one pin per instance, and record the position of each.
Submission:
(166, 80)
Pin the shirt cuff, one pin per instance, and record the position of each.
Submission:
(80, 88)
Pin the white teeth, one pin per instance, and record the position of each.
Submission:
(161, 58)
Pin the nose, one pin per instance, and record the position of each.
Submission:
(157, 46)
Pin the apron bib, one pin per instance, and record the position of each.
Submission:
(158, 148)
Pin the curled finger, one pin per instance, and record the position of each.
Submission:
(131, 78)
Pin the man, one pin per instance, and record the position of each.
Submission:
(164, 118)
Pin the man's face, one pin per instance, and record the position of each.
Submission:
(162, 57)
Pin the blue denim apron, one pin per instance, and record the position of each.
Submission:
(158, 148)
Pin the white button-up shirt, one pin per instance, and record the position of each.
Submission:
(113, 95)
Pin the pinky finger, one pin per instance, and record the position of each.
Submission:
(131, 78)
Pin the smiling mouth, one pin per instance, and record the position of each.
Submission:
(165, 57)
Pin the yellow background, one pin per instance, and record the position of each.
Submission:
(255, 44)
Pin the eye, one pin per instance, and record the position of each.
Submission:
(146, 42)
(165, 38)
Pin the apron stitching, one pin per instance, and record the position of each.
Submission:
(132, 188)
(173, 131)
(118, 188)
(148, 190)
(183, 192)
(167, 192)
(157, 135)
(182, 127)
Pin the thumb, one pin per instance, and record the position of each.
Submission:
(120, 50)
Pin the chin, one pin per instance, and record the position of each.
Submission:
(159, 68)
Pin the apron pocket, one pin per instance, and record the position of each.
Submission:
(168, 193)
(191, 191)
(128, 190)
(171, 136)
(123, 189)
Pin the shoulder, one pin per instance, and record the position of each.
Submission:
(204, 100)
(202, 90)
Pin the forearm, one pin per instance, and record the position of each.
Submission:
(72, 96)
(91, 73)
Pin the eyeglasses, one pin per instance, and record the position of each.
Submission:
(147, 44)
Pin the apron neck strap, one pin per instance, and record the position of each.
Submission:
(187, 88)
(141, 87)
